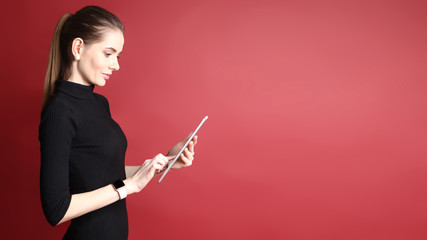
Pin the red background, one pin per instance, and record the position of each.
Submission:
(317, 116)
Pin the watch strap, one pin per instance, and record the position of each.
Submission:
(120, 188)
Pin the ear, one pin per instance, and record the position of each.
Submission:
(77, 48)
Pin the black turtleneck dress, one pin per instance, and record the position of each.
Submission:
(82, 149)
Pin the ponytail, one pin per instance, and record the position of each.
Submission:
(54, 63)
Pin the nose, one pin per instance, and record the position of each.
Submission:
(115, 65)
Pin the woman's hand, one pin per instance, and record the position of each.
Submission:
(146, 172)
(187, 156)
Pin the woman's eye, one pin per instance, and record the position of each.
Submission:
(107, 54)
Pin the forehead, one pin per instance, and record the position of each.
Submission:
(111, 39)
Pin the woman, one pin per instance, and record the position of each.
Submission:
(83, 177)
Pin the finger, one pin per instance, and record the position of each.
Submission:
(188, 154)
(191, 147)
(146, 162)
(165, 162)
(159, 159)
(186, 161)
(161, 163)
(157, 167)
(164, 158)
(195, 139)
(159, 155)
(170, 159)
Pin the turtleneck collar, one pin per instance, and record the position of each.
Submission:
(74, 89)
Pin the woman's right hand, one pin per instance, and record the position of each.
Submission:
(146, 172)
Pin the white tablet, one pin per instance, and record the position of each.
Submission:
(182, 149)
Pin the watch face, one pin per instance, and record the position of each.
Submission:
(118, 184)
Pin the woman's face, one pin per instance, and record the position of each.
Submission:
(98, 60)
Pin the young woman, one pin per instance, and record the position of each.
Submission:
(83, 177)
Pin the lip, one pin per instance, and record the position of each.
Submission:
(106, 76)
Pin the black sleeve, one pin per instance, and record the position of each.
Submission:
(56, 132)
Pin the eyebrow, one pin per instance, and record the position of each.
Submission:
(112, 49)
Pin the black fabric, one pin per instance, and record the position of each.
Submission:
(82, 149)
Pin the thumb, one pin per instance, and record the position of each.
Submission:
(170, 157)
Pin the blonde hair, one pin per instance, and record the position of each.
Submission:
(88, 23)
(54, 62)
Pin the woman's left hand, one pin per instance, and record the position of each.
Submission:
(187, 156)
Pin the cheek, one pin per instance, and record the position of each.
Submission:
(98, 63)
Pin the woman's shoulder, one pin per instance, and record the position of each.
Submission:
(59, 103)
(58, 113)
(101, 98)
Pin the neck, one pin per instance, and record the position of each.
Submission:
(75, 77)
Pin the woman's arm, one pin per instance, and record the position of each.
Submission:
(131, 170)
(83, 203)
(137, 177)
(185, 159)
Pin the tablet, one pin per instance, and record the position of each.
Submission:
(182, 149)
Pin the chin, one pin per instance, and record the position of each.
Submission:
(100, 83)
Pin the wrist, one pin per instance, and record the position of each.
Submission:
(120, 188)
(128, 185)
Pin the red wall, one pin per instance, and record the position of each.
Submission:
(317, 116)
